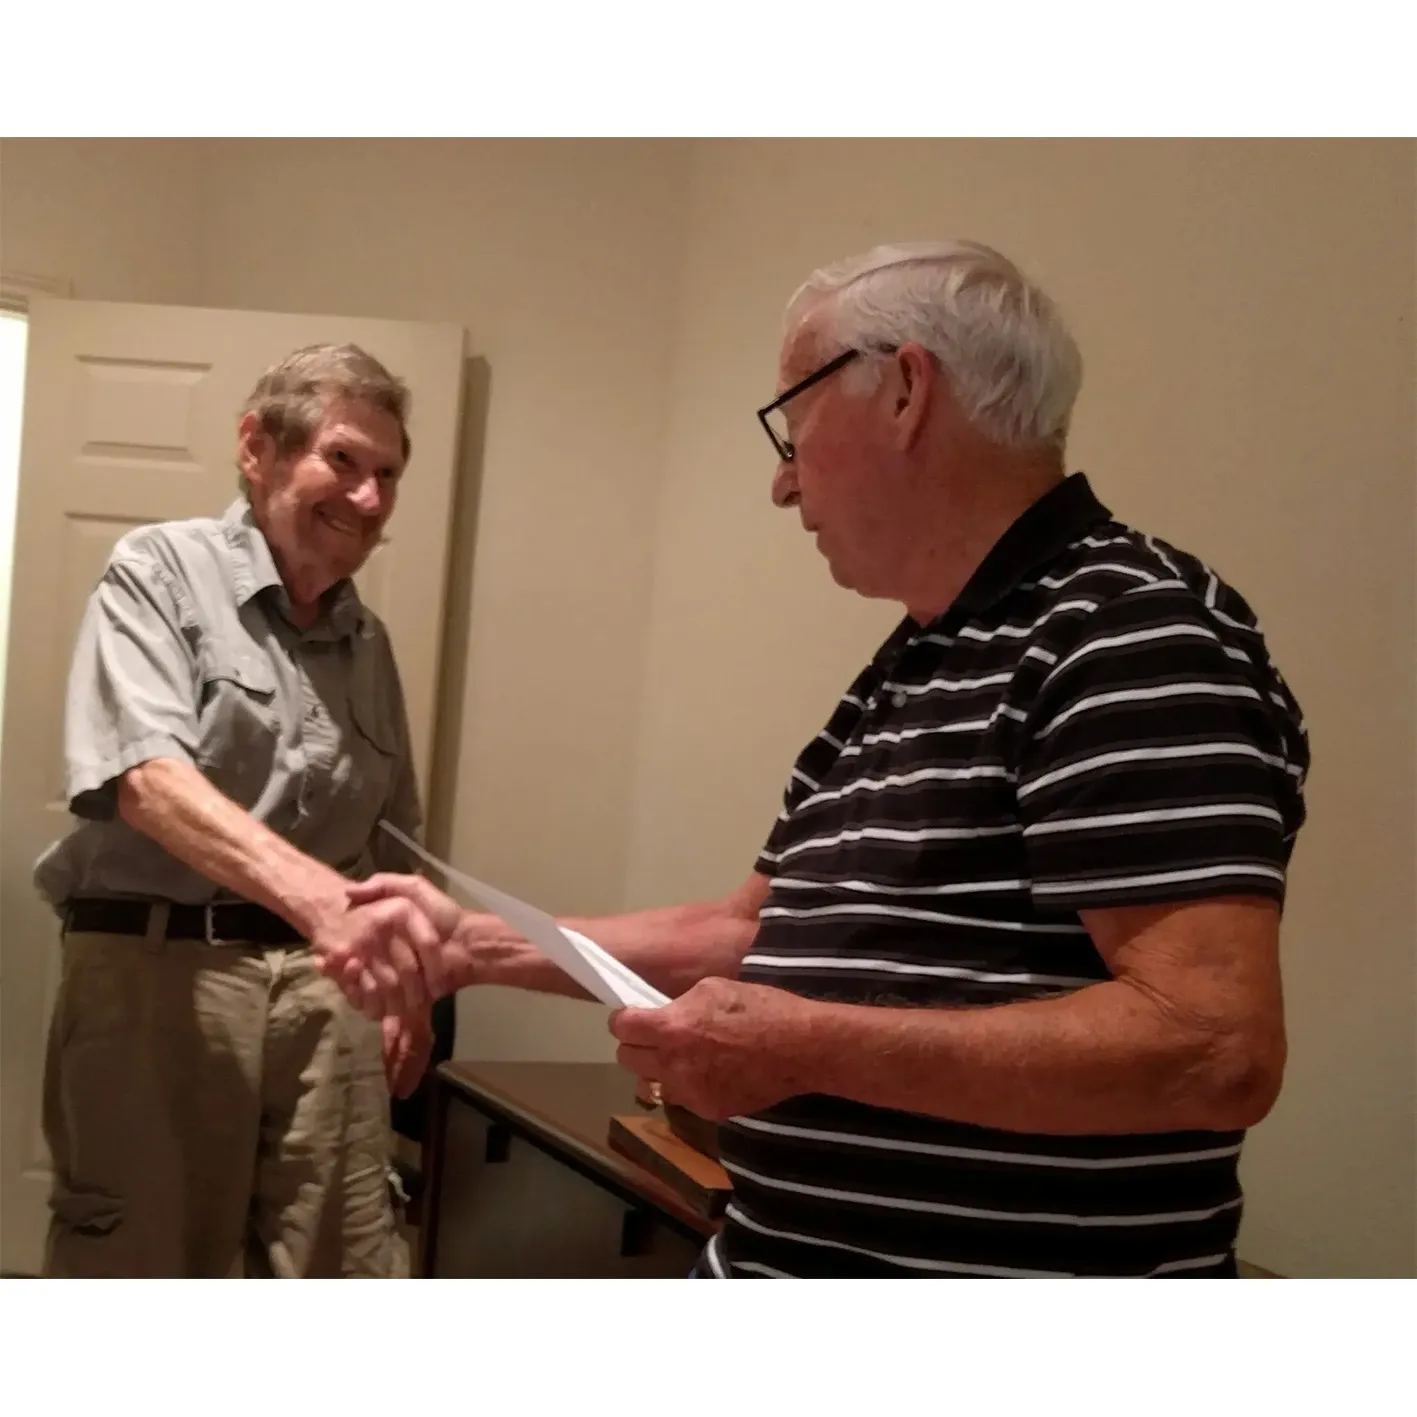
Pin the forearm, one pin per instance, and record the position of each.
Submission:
(171, 802)
(1103, 1061)
(672, 948)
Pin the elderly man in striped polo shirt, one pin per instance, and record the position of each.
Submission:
(1002, 993)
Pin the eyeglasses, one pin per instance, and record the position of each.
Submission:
(782, 445)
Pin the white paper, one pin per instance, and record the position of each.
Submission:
(589, 965)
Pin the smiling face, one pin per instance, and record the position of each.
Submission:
(323, 509)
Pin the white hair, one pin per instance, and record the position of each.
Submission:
(1011, 362)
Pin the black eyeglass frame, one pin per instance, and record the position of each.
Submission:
(784, 449)
(781, 446)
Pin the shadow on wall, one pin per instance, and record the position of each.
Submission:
(457, 615)
(410, 1115)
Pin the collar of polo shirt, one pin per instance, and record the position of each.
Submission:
(1048, 527)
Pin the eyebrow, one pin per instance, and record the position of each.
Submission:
(350, 441)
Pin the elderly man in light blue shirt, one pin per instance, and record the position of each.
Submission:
(235, 729)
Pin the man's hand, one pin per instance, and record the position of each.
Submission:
(408, 1044)
(394, 949)
(442, 911)
(386, 956)
(723, 1049)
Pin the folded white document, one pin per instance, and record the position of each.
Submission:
(589, 965)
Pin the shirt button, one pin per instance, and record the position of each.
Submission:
(898, 699)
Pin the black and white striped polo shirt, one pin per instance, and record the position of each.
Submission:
(1095, 722)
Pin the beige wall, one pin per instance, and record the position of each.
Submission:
(1246, 315)
(650, 642)
(118, 217)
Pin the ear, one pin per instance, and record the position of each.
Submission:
(255, 450)
(914, 385)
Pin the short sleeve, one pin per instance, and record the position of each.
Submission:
(1162, 763)
(132, 686)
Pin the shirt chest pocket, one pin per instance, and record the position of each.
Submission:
(240, 728)
(371, 747)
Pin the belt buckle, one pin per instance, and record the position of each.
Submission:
(208, 927)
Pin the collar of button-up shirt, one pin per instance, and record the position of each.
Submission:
(254, 571)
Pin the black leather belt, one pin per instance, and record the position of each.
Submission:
(238, 921)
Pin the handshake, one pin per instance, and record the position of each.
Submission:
(397, 948)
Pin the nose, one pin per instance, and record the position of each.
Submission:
(785, 492)
(367, 497)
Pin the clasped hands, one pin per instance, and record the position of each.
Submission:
(722, 1048)
(392, 952)
(395, 949)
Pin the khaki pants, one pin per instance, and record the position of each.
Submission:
(214, 1109)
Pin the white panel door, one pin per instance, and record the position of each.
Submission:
(130, 417)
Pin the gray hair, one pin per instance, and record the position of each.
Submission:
(291, 397)
(1012, 364)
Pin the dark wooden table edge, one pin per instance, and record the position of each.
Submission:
(621, 1175)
